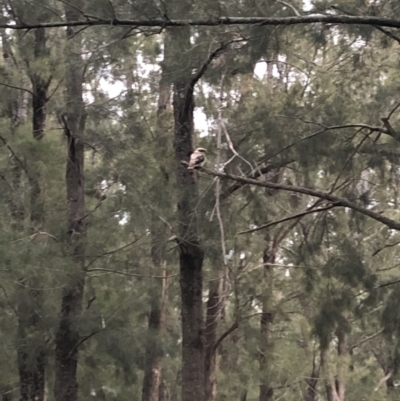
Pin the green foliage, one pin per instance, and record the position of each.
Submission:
(332, 271)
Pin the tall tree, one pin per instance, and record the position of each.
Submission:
(67, 338)
(152, 381)
(191, 253)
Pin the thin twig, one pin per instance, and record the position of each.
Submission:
(129, 274)
(16, 87)
(2, 139)
(366, 339)
(295, 216)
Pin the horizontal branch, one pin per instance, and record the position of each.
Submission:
(163, 23)
(335, 200)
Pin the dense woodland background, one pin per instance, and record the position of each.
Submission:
(272, 274)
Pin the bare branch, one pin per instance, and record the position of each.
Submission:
(390, 129)
(383, 380)
(384, 247)
(267, 21)
(261, 171)
(392, 111)
(16, 87)
(388, 33)
(225, 334)
(336, 200)
(218, 183)
(204, 67)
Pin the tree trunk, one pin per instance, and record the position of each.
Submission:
(153, 389)
(214, 308)
(30, 355)
(31, 360)
(191, 252)
(67, 337)
(40, 86)
(335, 384)
(343, 351)
(153, 361)
(17, 107)
(153, 368)
(32, 376)
(267, 316)
(328, 377)
(312, 381)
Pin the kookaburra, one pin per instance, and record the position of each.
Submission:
(197, 158)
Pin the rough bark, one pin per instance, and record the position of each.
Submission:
(67, 337)
(191, 252)
(214, 308)
(266, 320)
(40, 86)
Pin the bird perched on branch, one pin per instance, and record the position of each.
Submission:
(197, 158)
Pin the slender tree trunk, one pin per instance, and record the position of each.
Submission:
(214, 308)
(153, 388)
(267, 316)
(17, 107)
(312, 381)
(30, 358)
(40, 86)
(328, 377)
(153, 369)
(191, 252)
(154, 354)
(32, 379)
(343, 351)
(67, 337)
(335, 379)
